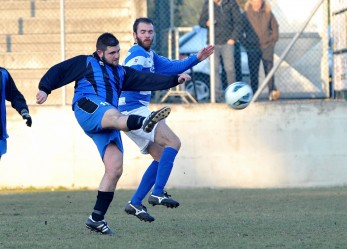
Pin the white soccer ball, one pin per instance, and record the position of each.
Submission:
(238, 95)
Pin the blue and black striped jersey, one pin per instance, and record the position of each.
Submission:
(93, 76)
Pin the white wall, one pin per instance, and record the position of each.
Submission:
(269, 144)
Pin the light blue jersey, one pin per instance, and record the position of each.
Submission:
(149, 61)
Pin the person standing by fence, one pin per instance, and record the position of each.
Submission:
(260, 34)
(227, 30)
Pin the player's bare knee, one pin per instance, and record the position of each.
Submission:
(113, 119)
(175, 142)
(118, 175)
(115, 173)
(178, 143)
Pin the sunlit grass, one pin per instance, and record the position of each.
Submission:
(207, 218)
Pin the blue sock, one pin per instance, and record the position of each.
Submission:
(147, 182)
(164, 169)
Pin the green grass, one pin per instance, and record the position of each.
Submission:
(207, 218)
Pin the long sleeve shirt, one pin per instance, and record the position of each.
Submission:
(9, 92)
(227, 16)
(93, 77)
(260, 27)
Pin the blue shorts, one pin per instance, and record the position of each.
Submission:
(89, 112)
(3, 147)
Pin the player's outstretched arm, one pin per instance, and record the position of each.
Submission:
(205, 52)
(140, 81)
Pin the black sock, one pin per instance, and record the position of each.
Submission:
(103, 201)
(134, 122)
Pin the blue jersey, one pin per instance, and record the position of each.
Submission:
(9, 92)
(93, 77)
(150, 62)
(104, 81)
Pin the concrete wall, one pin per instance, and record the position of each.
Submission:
(268, 144)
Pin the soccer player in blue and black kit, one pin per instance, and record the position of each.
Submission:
(99, 81)
(161, 143)
(10, 92)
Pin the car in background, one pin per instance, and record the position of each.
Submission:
(199, 87)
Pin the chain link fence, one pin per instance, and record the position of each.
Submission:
(339, 47)
(36, 34)
(303, 72)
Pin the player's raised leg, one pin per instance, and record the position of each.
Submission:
(113, 119)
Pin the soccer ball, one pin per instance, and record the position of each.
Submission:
(238, 95)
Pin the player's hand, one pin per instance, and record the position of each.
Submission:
(183, 78)
(205, 52)
(41, 97)
(25, 115)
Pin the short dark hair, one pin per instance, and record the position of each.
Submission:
(139, 20)
(106, 40)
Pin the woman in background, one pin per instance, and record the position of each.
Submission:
(260, 34)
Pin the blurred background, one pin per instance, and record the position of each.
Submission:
(296, 141)
(36, 34)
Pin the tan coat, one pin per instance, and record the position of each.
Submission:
(263, 23)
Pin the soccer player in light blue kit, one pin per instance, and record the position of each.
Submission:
(161, 143)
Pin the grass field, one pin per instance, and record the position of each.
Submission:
(207, 218)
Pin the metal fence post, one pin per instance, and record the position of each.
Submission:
(8, 43)
(32, 8)
(20, 26)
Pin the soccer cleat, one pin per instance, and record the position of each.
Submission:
(154, 118)
(274, 95)
(140, 211)
(164, 200)
(98, 226)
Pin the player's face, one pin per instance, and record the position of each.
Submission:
(144, 35)
(111, 55)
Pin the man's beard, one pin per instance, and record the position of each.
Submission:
(146, 46)
(106, 62)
